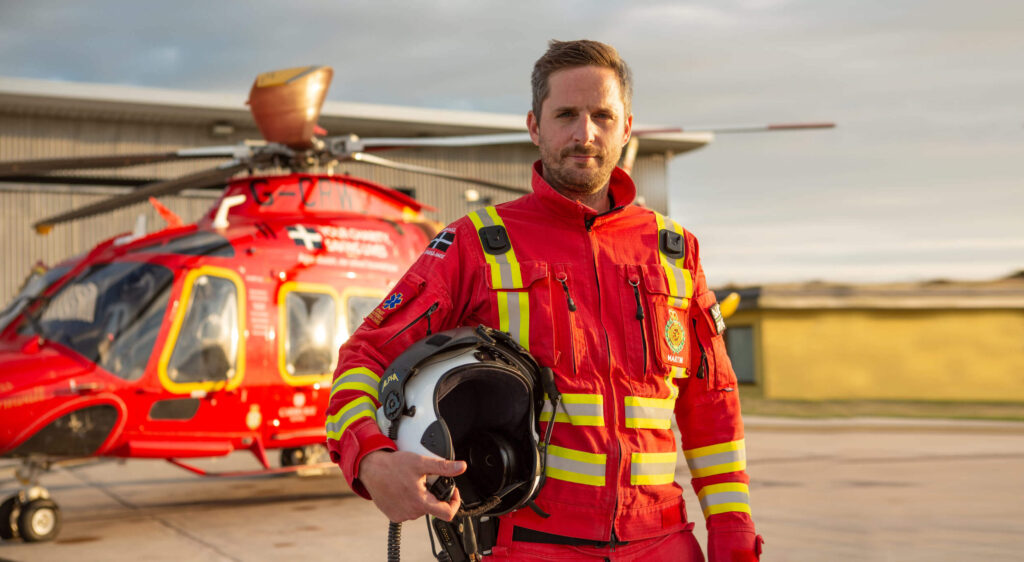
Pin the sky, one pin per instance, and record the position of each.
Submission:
(922, 179)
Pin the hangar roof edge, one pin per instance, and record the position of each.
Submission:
(116, 101)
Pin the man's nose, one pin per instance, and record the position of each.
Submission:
(585, 131)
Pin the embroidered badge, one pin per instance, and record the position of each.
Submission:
(392, 302)
(675, 334)
(438, 247)
(716, 313)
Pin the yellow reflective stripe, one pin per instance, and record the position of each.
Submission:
(712, 449)
(652, 468)
(680, 281)
(724, 497)
(673, 389)
(503, 319)
(678, 372)
(584, 409)
(506, 274)
(649, 413)
(575, 466)
(358, 378)
(717, 459)
(517, 274)
(491, 262)
(362, 407)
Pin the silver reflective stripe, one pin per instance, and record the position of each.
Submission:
(359, 378)
(575, 466)
(652, 468)
(504, 265)
(578, 467)
(583, 409)
(715, 459)
(514, 318)
(649, 413)
(723, 497)
(358, 408)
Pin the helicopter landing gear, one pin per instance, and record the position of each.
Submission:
(313, 456)
(31, 515)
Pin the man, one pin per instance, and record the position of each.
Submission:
(612, 297)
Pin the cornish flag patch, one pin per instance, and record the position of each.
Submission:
(443, 240)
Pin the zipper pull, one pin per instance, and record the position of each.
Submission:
(565, 287)
(703, 368)
(636, 295)
(426, 314)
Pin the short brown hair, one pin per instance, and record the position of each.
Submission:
(572, 54)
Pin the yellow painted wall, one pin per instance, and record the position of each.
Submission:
(971, 355)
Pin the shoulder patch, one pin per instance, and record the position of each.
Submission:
(404, 292)
(438, 247)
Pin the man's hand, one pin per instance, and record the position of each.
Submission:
(397, 483)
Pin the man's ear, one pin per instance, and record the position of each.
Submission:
(533, 124)
(628, 130)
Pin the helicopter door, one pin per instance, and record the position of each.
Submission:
(204, 350)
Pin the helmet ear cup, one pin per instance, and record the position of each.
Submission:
(492, 464)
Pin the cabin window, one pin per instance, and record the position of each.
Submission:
(207, 345)
(311, 346)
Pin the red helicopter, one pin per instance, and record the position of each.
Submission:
(203, 339)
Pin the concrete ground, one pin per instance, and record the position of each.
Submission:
(850, 490)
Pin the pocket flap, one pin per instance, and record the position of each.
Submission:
(506, 276)
(668, 280)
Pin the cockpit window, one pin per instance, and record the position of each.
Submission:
(200, 243)
(36, 282)
(110, 314)
(207, 345)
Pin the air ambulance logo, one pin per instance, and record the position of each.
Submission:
(675, 334)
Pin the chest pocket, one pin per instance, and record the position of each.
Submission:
(660, 296)
(517, 288)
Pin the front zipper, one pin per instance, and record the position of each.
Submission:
(563, 278)
(640, 318)
(703, 367)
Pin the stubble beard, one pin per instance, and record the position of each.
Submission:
(563, 174)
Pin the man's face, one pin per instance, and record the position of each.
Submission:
(581, 129)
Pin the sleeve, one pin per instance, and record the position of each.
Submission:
(421, 301)
(708, 414)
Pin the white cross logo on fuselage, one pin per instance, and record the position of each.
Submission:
(305, 236)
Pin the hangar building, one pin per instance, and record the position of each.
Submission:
(44, 119)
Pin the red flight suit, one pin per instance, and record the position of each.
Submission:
(617, 305)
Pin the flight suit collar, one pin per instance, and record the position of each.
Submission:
(621, 187)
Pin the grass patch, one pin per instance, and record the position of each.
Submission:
(756, 405)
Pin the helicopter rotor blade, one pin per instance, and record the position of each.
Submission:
(448, 142)
(386, 163)
(204, 178)
(43, 165)
(742, 128)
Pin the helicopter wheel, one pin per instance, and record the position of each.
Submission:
(294, 456)
(8, 519)
(39, 521)
(308, 455)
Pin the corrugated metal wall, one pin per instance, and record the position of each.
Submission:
(29, 136)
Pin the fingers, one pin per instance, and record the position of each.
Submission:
(442, 467)
(444, 510)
